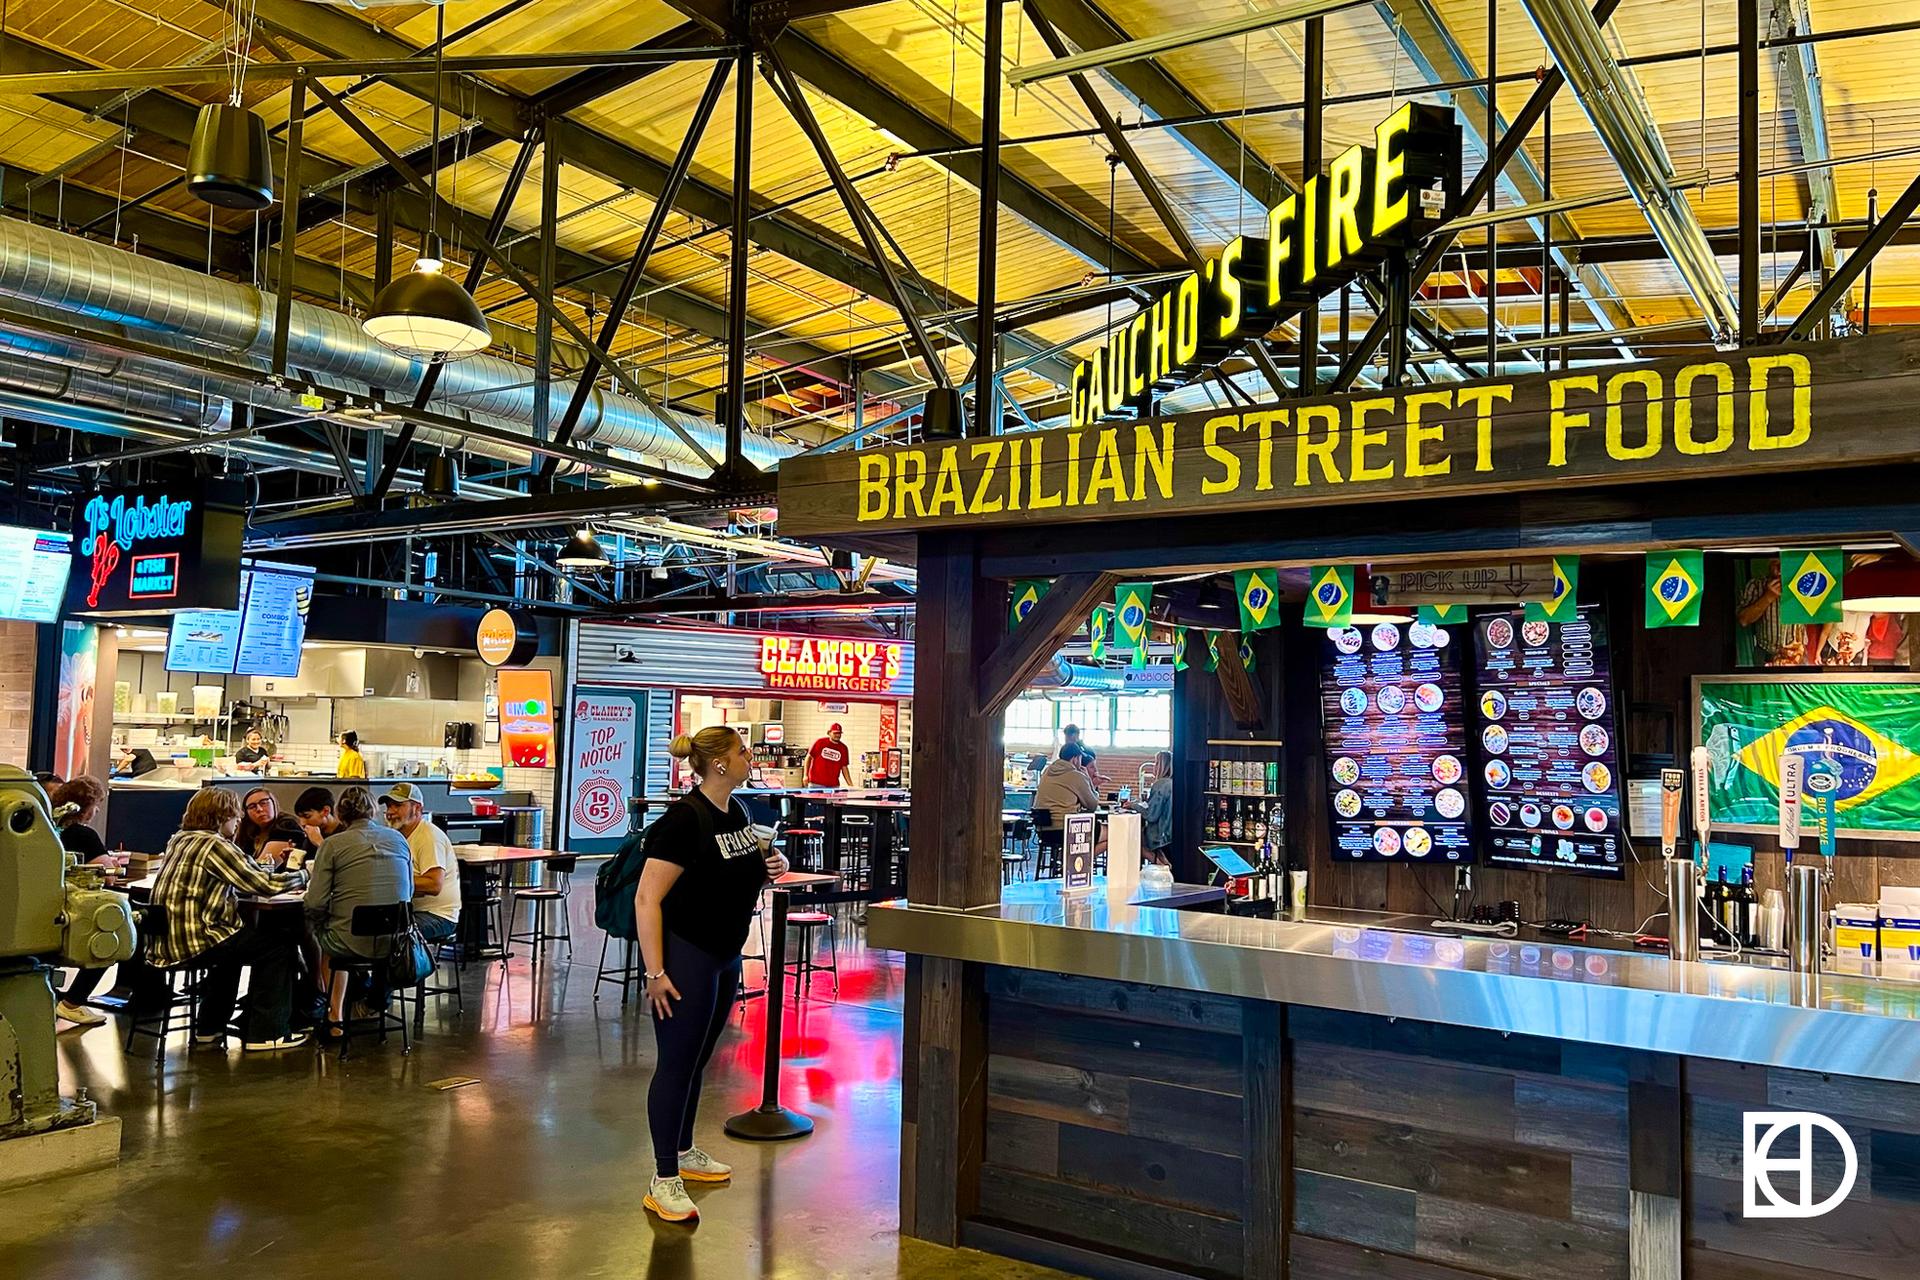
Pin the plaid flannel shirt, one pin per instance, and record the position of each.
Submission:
(199, 888)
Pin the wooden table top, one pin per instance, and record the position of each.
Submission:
(501, 854)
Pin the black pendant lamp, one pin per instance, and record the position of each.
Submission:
(228, 164)
(425, 314)
(582, 552)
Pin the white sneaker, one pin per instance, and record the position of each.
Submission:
(667, 1197)
(697, 1166)
(79, 1014)
(208, 1042)
(292, 1040)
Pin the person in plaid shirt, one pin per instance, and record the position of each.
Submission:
(198, 889)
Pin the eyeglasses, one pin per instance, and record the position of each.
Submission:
(264, 802)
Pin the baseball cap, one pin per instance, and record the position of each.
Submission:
(832, 727)
(401, 793)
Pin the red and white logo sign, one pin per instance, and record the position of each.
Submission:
(605, 764)
(599, 806)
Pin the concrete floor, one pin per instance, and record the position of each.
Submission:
(296, 1165)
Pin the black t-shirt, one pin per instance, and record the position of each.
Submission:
(248, 755)
(82, 841)
(722, 873)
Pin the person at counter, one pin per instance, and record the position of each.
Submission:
(436, 876)
(267, 835)
(352, 764)
(360, 864)
(1064, 786)
(82, 796)
(134, 762)
(1157, 830)
(254, 753)
(827, 761)
(198, 890)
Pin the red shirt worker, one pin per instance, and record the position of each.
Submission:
(827, 761)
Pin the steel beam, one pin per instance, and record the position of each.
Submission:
(733, 410)
(1312, 155)
(986, 384)
(1797, 74)
(1747, 162)
(1858, 261)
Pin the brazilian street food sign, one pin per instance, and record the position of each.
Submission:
(1370, 202)
(1791, 407)
(1866, 729)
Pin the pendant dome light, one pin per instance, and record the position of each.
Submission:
(582, 552)
(426, 314)
(228, 163)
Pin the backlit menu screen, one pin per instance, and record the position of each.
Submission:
(34, 565)
(1549, 762)
(1392, 708)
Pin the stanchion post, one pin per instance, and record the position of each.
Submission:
(771, 1122)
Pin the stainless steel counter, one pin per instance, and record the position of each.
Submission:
(1846, 1024)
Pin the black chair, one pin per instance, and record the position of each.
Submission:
(1052, 840)
(176, 990)
(387, 925)
(430, 987)
(545, 897)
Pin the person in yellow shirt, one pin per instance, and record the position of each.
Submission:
(352, 763)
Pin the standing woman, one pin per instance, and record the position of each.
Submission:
(352, 763)
(704, 872)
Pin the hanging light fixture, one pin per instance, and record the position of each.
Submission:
(582, 552)
(1885, 586)
(228, 163)
(426, 314)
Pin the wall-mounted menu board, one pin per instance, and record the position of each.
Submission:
(1394, 717)
(263, 637)
(1549, 773)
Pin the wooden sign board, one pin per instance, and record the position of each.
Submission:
(1503, 582)
(1789, 407)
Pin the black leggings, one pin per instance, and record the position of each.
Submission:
(707, 989)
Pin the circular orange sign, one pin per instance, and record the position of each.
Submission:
(496, 637)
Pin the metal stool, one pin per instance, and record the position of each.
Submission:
(1010, 865)
(542, 898)
(805, 963)
(386, 922)
(626, 971)
(426, 988)
(806, 848)
(856, 851)
(178, 1013)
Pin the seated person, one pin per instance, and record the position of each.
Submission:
(1064, 789)
(360, 864)
(436, 877)
(314, 809)
(83, 796)
(267, 835)
(198, 889)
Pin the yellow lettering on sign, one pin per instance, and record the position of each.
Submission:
(1481, 401)
(1186, 320)
(1759, 373)
(1161, 322)
(1651, 383)
(1136, 359)
(1309, 258)
(1279, 248)
(1227, 285)
(1117, 370)
(948, 495)
(1263, 472)
(915, 487)
(988, 449)
(1344, 182)
(1077, 394)
(769, 655)
(1229, 479)
(1036, 500)
(1109, 478)
(1013, 473)
(1307, 449)
(1073, 468)
(1153, 455)
(1390, 208)
(1562, 421)
(876, 469)
(1096, 385)
(1362, 440)
(1683, 439)
(1419, 433)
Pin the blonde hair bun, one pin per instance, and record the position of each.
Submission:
(681, 747)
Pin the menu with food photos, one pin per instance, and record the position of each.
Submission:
(1391, 704)
(1549, 762)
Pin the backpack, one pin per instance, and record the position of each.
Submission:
(614, 884)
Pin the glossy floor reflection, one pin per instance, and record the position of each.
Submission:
(297, 1165)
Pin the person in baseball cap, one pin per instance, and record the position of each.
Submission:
(827, 761)
(436, 877)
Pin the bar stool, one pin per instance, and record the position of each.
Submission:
(428, 986)
(806, 848)
(1051, 838)
(542, 898)
(389, 922)
(1010, 865)
(856, 851)
(180, 986)
(626, 970)
(806, 957)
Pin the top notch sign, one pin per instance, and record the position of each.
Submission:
(1372, 200)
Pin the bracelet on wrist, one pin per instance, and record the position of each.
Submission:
(650, 977)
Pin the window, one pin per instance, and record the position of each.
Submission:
(1094, 716)
(1144, 721)
(1029, 723)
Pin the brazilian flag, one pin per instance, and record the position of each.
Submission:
(1566, 590)
(1099, 630)
(1180, 649)
(1131, 601)
(1811, 585)
(1330, 595)
(1246, 652)
(1213, 650)
(1258, 591)
(1674, 582)
(1026, 594)
(1139, 657)
(1441, 615)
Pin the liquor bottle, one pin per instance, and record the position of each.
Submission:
(1239, 821)
(1749, 903)
(1223, 820)
(1213, 774)
(1732, 914)
(1257, 830)
(1718, 896)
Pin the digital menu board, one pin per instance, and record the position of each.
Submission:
(33, 573)
(1395, 724)
(263, 637)
(1550, 773)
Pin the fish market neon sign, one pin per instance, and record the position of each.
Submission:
(116, 527)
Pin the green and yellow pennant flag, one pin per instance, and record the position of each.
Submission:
(1674, 582)
(1213, 650)
(1180, 649)
(1330, 595)
(1098, 632)
(1246, 652)
(1441, 615)
(1258, 591)
(1810, 585)
(1131, 601)
(1026, 594)
(1562, 607)
(1139, 657)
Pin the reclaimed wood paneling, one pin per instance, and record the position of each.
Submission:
(1115, 1225)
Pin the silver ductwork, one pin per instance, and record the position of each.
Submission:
(86, 283)
(1625, 127)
